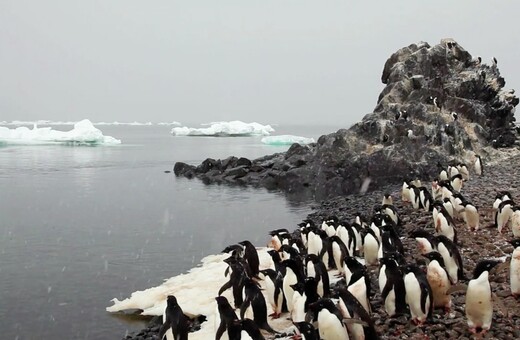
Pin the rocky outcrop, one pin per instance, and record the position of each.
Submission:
(439, 104)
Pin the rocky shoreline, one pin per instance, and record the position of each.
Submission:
(484, 243)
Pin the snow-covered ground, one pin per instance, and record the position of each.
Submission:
(225, 129)
(286, 140)
(83, 133)
(196, 291)
(60, 123)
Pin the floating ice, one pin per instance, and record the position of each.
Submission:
(225, 129)
(83, 133)
(125, 123)
(286, 140)
(53, 123)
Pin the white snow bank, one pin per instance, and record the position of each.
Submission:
(52, 123)
(83, 133)
(225, 129)
(195, 292)
(286, 140)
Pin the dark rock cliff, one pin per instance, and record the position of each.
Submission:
(439, 104)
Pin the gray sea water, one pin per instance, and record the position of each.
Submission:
(82, 225)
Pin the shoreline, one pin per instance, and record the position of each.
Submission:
(485, 243)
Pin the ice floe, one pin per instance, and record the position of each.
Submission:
(286, 140)
(225, 129)
(83, 133)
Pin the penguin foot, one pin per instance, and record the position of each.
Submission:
(275, 315)
(297, 337)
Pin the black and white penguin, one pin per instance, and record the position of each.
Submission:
(443, 223)
(479, 307)
(387, 200)
(175, 320)
(436, 102)
(370, 246)
(456, 182)
(426, 199)
(338, 250)
(439, 281)
(391, 286)
(330, 320)
(350, 307)
(226, 314)
(251, 257)
(514, 269)
(276, 238)
(504, 213)
(470, 215)
(478, 166)
(451, 256)
(350, 266)
(273, 282)
(477, 61)
(405, 192)
(306, 331)
(293, 275)
(347, 234)
(254, 305)
(305, 294)
(248, 330)
(315, 268)
(454, 115)
(425, 241)
(515, 221)
(391, 211)
(277, 259)
(463, 170)
(238, 273)
(359, 286)
(419, 295)
(494, 62)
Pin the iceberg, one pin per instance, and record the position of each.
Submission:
(83, 133)
(234, 128)
(286, 140)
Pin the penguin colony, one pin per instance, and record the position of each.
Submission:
(320, 276)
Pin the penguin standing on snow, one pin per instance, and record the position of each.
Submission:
(419, 296)
(316, 268)
(254, 303)
(273, 287)
(293, 275)
(226, 314)
(251, 257)
(175, 320)
(479, 307)
(514, 269)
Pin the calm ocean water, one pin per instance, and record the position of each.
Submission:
(82, 225)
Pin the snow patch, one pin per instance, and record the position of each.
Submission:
(234, 128)
(83, 133)
(287, 140)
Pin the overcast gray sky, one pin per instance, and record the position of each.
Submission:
(270, 61)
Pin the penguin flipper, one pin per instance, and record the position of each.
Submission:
(224, 287)
(164, 328)
(220, 331)
(243, 307)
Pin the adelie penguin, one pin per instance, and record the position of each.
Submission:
(419, 296)
(479, 306)
(273, 287)
(350, 307)
(315, 268)
(251, 256)
(478, 166)
(439, 281)
(254, 303)
(391, 285)
(370, 246)
(245, 329)
(293, 275)
(306, 331)
(504, 213)
(330, 320)
(514, 269)
(175, 320)
(225, 316)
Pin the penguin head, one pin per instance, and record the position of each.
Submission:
(322, 303)
(435, 256)
(305, 328)
(420, 233)
(484, 266)
(515, 243)
(171, 300)
(298, 287)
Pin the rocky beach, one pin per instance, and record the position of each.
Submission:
(440, 105)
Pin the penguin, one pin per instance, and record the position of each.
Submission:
(390, 241)
(410, 134)
(276, 238)
(338, 250)
(456, 182)
(446, 203)
(315, 268)
(359, 286)
(439, 281)
(175, 320)
(347, 234)
(251, 257)
(470, 215)
(443, 223)
(350, 308)
(350, 266)
(454, 115)
(289, 252)
(478, 166)
(307, 331)
(329, 226)
(494, 62)
(419, 295)
(273, 282)
(276, 258)
(391, 285)
(391, 211)
(387, 199)
(248, 330)
(425, 198)
(515, 221)
(330, 321)
(238, 273)
(451, 256)
(405, 192)
(479, 307)
(514, 269)
(315, 241)
(370, 246)
(293, 275)
(254, 300)
(504, 213)
(477, 61)
(463, 170)
(425, 241)
(226, 314)
(299, 299)
(436, 102)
